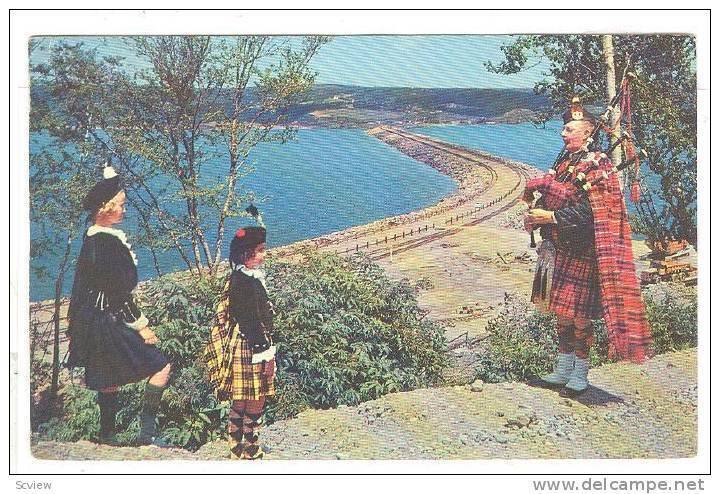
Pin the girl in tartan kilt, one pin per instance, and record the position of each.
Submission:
(241, 354)
(585, 262)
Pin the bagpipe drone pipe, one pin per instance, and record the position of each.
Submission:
(553, 196)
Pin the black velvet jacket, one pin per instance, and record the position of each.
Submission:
(105, 277)
(251, 309)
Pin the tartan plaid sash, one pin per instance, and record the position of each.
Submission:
(623, 309)
(218, 354)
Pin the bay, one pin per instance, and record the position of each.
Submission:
(324, 181)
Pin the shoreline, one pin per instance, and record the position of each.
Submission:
(472, 182)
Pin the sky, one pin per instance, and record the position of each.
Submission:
(419, 61)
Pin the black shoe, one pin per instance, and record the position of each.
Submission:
(252, 452)
(539, 383)
(566, 392)
(156, 441)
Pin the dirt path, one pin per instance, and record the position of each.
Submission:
(647, 411)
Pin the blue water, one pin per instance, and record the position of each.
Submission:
(525, 142)
(331, 179)
(324, 181)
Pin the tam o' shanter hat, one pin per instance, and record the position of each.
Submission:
(249, 237)
(245, 239)
(103, 191)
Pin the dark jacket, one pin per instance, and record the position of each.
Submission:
(104, 318)
(251, 309)
(105, 277)
(574, 229)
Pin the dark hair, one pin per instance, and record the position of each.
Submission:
(244, 243)
(241, 254)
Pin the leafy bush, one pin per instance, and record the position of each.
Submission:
(521, 342)
(345, 333)
(80, 418)
(672, 312)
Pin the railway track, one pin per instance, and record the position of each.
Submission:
(521, 174)
(447, 148)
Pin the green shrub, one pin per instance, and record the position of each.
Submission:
(345, 333)
(521, 342)
(672, 312)
(80, 416)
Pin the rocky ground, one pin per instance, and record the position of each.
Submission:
(647, 411)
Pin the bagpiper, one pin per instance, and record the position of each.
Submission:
(240, 356)
(109, 335)
(585, 266)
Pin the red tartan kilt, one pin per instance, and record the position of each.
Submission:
(575, 291)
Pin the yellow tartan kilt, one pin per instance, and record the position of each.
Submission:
(249, 382)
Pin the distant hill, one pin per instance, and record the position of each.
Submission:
(345, 105)
(327, 105)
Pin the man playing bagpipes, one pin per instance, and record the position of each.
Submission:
(585, 262)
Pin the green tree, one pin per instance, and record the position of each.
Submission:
(63, 164)
(664, 108)
(253, 113)
(203, 100)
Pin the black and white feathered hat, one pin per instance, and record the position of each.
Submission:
(104, 190)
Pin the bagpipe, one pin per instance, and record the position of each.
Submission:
(553, 186)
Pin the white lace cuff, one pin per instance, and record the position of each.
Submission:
(139, 323)
(265, 356)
